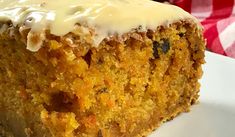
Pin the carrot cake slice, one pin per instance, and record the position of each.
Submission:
(95, 68)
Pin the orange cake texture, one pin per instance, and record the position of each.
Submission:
(84, 68)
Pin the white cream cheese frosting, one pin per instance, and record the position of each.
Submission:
(107, 17)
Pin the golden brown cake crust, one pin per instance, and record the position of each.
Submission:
(125, 87)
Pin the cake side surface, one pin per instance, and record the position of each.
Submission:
(123, 87)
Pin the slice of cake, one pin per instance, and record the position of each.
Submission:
(103, 68)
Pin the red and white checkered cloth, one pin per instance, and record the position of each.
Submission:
(218, 19)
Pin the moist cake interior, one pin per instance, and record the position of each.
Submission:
(122, 88)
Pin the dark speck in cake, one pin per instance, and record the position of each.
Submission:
(156, 45)
(100, 133)
(181, 34)
(103, 90)
(165, 46)
(87, 58)
(162, 47)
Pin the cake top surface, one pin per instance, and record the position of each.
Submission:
(107, 17)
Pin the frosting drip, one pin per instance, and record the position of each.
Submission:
(107, 17)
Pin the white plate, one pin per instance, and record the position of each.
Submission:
(214, 116)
